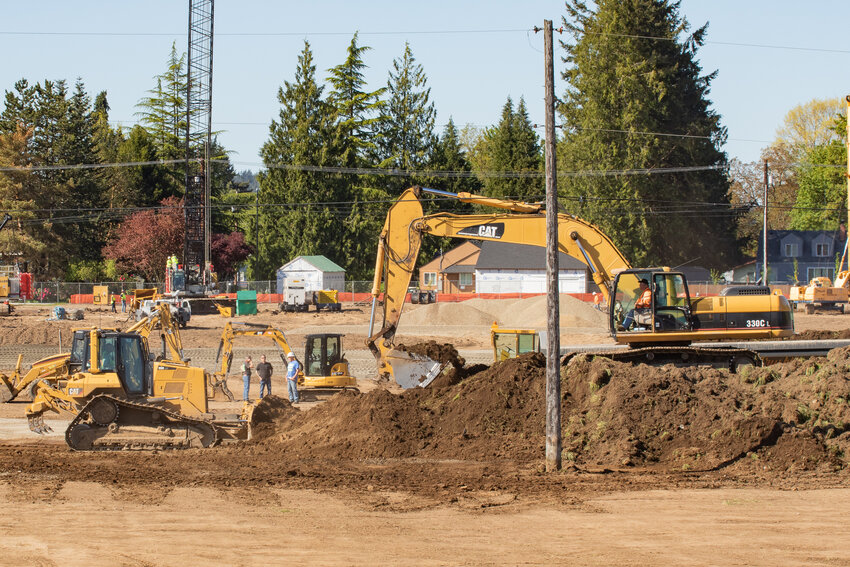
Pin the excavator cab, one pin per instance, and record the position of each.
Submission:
(323, 352)
(668, 311)
(325, 365)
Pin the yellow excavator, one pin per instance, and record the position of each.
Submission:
(325, 370)
(659, 333)
(56, 367)
(121, 397)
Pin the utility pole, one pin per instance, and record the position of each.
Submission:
(764, 240)
(847, 175)
(257, 227)
(553, 346)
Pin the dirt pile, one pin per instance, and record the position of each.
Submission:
(510, 313)
(446, 314)
(532, 312)
(26, 331)
(792, 416)
(815, 335)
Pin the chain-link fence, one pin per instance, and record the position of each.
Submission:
(61, 292)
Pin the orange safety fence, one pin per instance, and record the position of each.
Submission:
(349, 297)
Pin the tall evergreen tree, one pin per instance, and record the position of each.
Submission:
(303, 135)
(630, 74)
(77, 145)
(449, 157)
(358, 111)
(30, 235)
(511, 146)
(163, 112)
(407, 130)
(163, 115)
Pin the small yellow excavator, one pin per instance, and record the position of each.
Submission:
(121, 397)
(325, 368)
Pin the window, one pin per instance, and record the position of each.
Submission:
(792, 250)
(107, 354)
(464, 278)
(820, 273)
(822, 250)
(429, 279)
(133, 363)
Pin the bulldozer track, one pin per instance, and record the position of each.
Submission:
(163, 436)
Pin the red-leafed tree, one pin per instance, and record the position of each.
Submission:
(146, 239)
(228, 251)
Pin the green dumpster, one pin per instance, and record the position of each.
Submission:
(246, 302)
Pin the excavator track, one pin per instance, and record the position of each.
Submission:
(729, 358)
(108, 423)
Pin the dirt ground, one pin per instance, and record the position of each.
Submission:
(662, 466)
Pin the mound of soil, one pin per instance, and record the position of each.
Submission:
(509, 313)
(813, 335)
(790, 416)
(446, 314)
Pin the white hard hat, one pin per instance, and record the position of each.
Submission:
(290, 355)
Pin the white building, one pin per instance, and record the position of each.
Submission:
(520, 268)
(317, 273)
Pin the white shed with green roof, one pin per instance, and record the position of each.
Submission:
(317, 273)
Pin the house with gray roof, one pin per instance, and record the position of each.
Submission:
(520, 268)
(800, 255)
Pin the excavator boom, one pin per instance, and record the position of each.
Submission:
(400, 240)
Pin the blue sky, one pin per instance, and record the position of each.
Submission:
(489, 55)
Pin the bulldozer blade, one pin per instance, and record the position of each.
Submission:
(37, 425)
(412, 370)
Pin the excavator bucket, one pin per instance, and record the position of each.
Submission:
(5, 391)
(218, 390)
(411, 370)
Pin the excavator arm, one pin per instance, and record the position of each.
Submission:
(225, 350)
(162, 317)
(523, 223)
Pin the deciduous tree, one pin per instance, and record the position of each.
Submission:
(146, 239)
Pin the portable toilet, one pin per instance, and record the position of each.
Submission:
(246, 302)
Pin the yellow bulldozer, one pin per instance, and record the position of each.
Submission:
(821, 292)
(122, 397)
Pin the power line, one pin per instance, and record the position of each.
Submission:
(729, 43)
(409, 32)
(268, 34)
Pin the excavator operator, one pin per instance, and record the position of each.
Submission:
(642, 305)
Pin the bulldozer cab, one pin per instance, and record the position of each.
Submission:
(124, 354)
(322, 352)
(668, 311)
